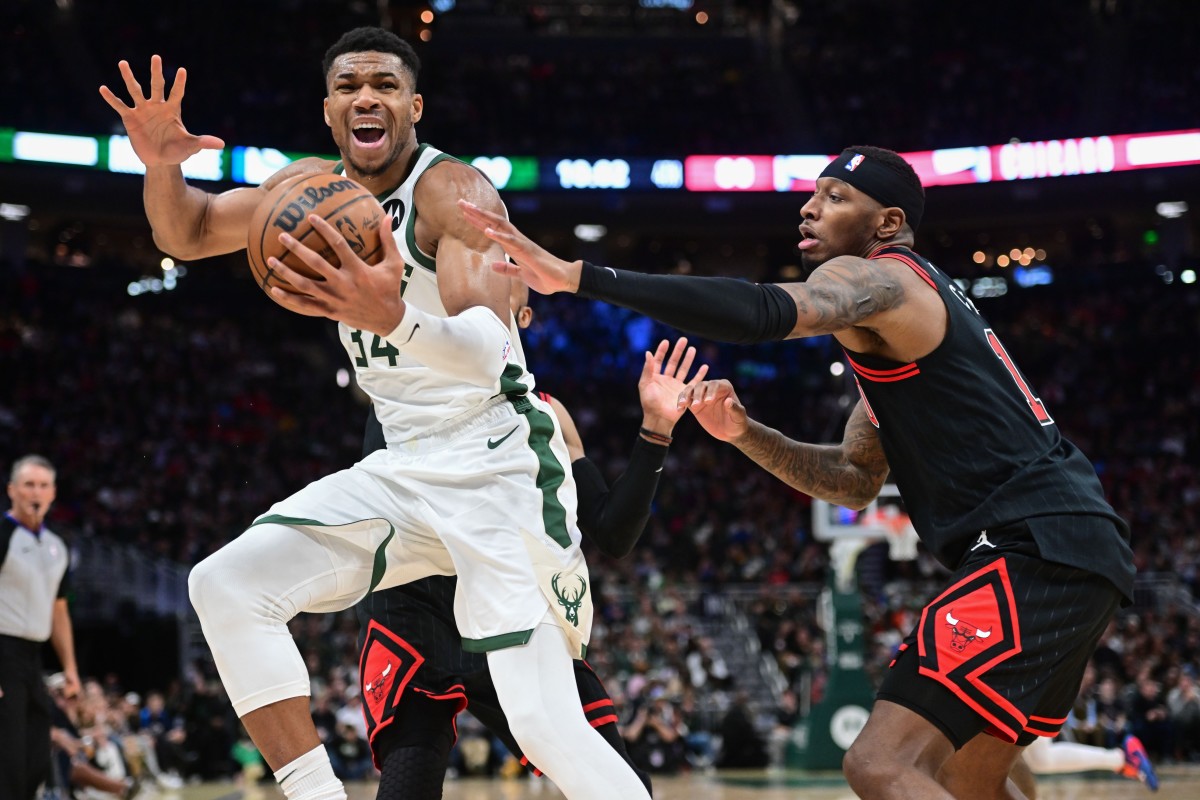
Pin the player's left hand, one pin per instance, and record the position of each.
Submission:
(659, 387)
(363, 296)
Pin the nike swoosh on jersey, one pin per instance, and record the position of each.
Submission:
(492, 445)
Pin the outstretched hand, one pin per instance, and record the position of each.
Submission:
(659, 388)
(363, 296)
(543, 271)
(155, 123)
(716, 406)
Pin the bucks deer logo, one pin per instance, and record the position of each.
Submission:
(571, 602)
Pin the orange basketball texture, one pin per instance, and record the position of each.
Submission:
(343, 203)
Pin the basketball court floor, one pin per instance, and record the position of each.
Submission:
(1177, 783)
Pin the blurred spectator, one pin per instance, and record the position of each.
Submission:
(655, 735)
(1183, 701)
(1149, 718)
(84, 760)
(164, 741)
(350, 754)
(742, 747)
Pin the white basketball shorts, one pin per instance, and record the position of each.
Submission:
(487, 496)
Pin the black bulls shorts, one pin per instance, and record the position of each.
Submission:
(411, 695)
(1003, 649)
(412, 698)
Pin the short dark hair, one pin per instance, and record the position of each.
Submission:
(374, 40)
(893, 161)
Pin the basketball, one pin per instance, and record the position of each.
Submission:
(345, 204)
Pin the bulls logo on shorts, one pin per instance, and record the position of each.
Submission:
(967, 632)
(385, 668)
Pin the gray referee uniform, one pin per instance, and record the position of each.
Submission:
(33, 568)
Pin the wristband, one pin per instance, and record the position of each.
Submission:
(657, 438)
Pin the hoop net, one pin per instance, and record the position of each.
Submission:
(897, 529)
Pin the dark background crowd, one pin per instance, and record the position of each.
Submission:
(176, 416)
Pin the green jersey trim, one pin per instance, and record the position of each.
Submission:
(551, 473)
(410, 235)
(498, 642)
(379, 564)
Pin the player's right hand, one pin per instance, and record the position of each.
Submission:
(716, 406)
(155, 123)
(545, 272)
(659, 386)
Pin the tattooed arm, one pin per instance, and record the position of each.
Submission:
(849, 474)
(842, 293)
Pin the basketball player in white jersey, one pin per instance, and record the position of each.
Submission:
(474, 479)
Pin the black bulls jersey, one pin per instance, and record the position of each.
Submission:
(972, 447)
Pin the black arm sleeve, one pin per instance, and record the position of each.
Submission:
(373, 435)
(614, 518)
(724, 309)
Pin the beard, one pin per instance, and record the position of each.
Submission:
(382, 167)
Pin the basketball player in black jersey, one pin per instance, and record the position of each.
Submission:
(1040, 560)
(414, 675)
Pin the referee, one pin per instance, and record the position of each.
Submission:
(33, 608)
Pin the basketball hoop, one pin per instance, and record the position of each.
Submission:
(898, 530)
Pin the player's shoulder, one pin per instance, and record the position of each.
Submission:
(449, 178)
(310, 165)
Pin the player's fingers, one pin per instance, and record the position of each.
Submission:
(699, 376)
(207, 142)
(507, 268)
(300, 303)
(510, 242)
(649, 368)
(345, 253)
(685, 366)
(157, 82)
(660, 353)
(311, 259)
(178, 87)
(386, 240)
(117, 104)
(712, 391)
(688, 395)
(131, 83)
(300, 284)
(672, 368)
(480, 217)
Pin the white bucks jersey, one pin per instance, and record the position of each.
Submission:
(409, 397)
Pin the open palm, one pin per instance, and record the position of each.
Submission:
(155, 123)
(660, 386)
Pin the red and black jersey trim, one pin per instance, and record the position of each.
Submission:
(1044, 726)
(884, 375)
(385, 667)
(967, 631)
(892, 252)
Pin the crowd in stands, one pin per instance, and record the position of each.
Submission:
(812, 77)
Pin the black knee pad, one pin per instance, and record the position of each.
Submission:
(412, 773)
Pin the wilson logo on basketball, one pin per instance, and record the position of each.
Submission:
(294, 212)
